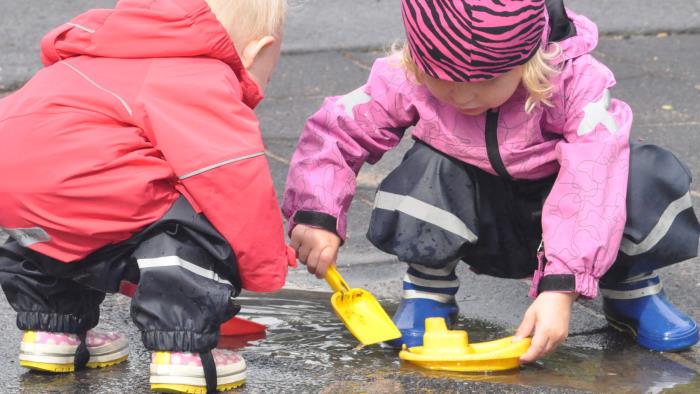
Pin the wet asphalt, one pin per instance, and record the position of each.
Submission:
(652, 48)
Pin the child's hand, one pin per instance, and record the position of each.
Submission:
(315, 247)
(548, 317)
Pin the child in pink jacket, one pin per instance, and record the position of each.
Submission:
(522, 163)
(136, 154)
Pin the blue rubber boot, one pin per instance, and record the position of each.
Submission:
(639, 307)
(427, 292)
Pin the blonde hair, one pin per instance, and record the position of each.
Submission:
(537, 77)
(247, 20)
(537, 74)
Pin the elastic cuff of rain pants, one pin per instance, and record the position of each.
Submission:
(56, 322)
(180, 341)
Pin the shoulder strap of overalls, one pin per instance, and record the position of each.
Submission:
(492, 144)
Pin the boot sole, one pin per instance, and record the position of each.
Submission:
(188, 379)
(66, 368)
(183, 388)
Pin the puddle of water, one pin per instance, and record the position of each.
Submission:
(302, 327)
(308, 348)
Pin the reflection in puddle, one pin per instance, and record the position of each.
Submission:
(621, 372)
(306, 330)
(307, 348)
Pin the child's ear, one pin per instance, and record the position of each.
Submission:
(254, 48)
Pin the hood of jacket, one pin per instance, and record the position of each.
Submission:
(140, 29)
(575, 34)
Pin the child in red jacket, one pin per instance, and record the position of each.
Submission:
(135, 154)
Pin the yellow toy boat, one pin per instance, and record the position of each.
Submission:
(450, 350)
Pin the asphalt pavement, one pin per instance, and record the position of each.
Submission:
(652, 47)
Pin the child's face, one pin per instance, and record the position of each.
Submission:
(475, 98)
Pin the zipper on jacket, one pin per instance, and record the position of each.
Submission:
(492, 144)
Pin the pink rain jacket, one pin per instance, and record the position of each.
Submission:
(136, 106)
(583, 138)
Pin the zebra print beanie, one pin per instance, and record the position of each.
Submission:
(472, 40)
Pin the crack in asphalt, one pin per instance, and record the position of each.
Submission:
(613, 34)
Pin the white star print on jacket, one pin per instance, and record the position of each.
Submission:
(597, 112)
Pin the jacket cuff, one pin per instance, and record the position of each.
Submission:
(586, 285)
(317, 219)
(560, 282)
(557, 277)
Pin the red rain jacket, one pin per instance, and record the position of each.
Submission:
(136, 106)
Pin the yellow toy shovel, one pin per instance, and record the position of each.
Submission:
(360, 311)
